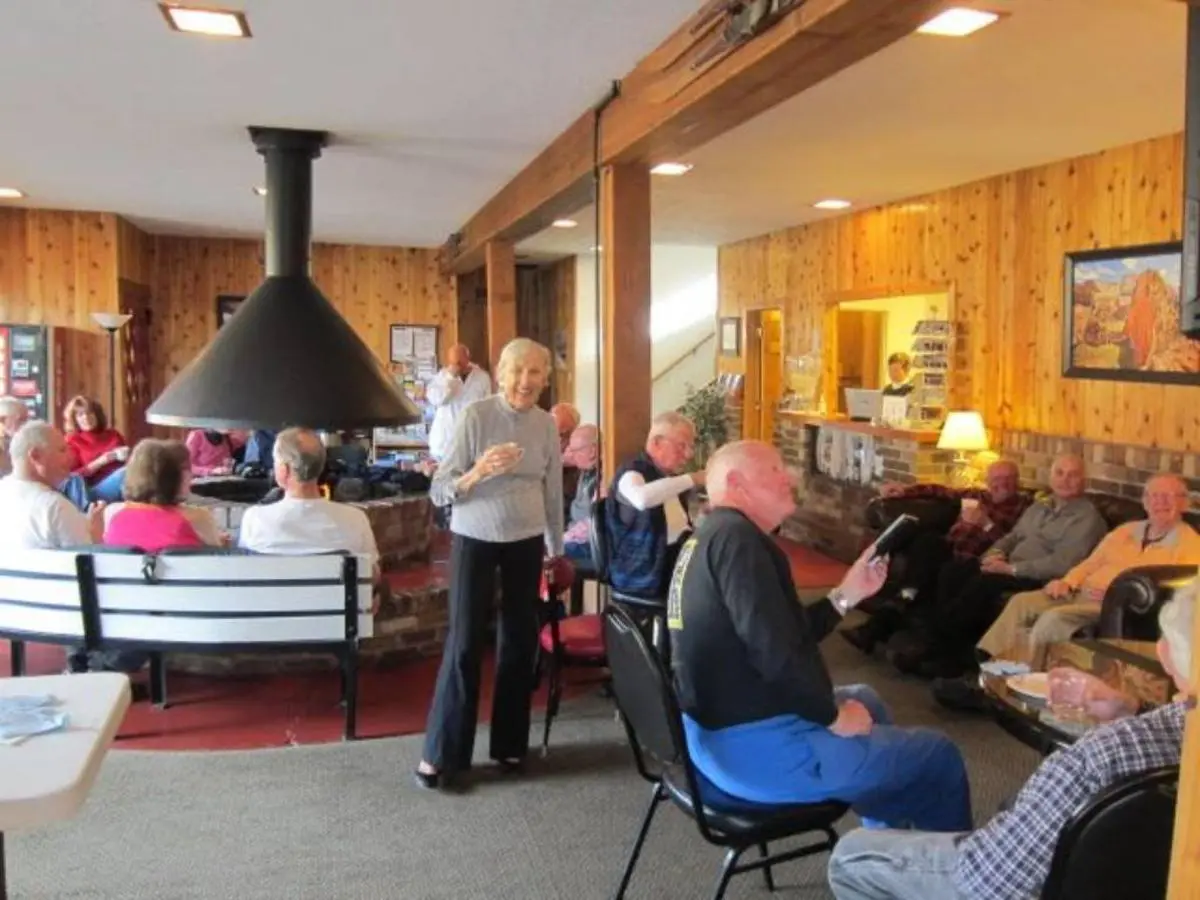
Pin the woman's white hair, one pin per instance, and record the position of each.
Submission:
(1176, 621)
(519, 349)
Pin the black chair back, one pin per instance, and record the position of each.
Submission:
(643, 692)
(598, 539)
(1119, 845)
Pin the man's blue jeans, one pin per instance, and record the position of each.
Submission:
(895, 865)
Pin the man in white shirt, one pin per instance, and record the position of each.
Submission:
(33, 514)
(647, 511)
(459, 384)
(304, 521)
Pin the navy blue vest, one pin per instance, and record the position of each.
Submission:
(639, 559)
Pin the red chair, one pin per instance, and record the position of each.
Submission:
(564, 640)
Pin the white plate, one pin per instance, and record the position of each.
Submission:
(1034, 685)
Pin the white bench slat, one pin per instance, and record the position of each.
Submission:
(177, 598)
(223, 568)
(51, 591)
(62, 622)
(42, 562)
(179, 630)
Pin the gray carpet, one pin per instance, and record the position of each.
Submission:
(342, 821)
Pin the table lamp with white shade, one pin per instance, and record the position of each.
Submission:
(112, 323)
(963, 432)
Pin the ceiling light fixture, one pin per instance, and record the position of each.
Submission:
(211, 22)
(7, 193)
(958, 21)
(832, 204)
(563, 223)
(261, 191)
(671, 168)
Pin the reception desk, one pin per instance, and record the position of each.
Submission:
(842, 463)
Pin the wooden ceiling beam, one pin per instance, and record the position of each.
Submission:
(684, 94)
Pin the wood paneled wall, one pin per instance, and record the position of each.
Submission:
(998, 245)
(372, 287)
(57, 268)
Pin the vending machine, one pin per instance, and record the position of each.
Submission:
(44, 365)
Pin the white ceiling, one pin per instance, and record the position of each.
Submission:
(434, 105)
(1055, 79)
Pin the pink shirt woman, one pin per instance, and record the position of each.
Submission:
(157, 478)
(151, 528)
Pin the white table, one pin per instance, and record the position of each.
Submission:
(47, 778)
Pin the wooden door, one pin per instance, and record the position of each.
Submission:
(133, 367)
(770, 369)
(859, 348)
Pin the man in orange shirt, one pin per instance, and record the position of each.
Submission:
(1072, 602)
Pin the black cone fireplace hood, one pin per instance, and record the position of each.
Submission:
(286, 357)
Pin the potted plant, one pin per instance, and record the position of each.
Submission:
(706, 408)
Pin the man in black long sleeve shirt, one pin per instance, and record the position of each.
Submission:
(762, 717)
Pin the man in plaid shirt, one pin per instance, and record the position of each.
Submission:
(1009, 857)
(987, 514)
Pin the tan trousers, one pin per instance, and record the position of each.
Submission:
(1032, 621)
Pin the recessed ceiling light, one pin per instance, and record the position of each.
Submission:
(7, 193)
(671, 168)
(564, 223)
(832, 204)
(958, 22)
(212, 22)
(261, 191)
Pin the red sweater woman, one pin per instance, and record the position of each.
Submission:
(97, 452)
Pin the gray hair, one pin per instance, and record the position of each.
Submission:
(301, 451)
(1176, 620)
(9, 406)
(518, 349)
(666, 422)
(33, 435)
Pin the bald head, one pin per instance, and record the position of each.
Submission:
(750, 476)
(458, 359)
(1067, 476)
(566, 420)
(1165, 499)
(583, 447)
(1003, 480)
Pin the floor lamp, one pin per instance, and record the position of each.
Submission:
(112, 323)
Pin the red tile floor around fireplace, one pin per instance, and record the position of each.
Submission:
(234, 713)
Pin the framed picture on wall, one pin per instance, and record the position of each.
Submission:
(1121, 316)
(227, 305)
(729, 336)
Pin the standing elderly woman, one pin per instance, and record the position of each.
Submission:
(503, 477)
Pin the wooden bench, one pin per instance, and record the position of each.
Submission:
(189, 602)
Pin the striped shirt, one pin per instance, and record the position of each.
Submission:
(1009, 858)
(517, 505)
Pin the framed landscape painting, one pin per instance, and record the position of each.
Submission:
(1121, 316)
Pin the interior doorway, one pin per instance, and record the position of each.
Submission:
(764, 372)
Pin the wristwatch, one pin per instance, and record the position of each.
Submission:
(840, 601)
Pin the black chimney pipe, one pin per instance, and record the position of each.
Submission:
(289, 154)
(286, 357)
